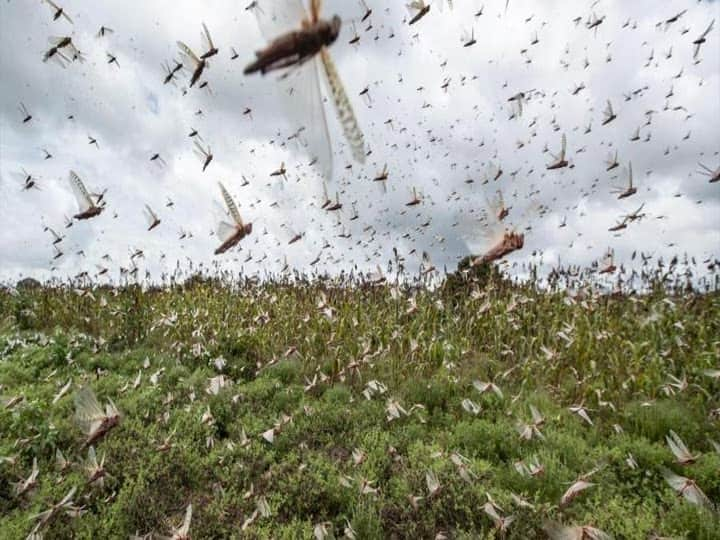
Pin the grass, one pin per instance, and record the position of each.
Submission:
(323, 364)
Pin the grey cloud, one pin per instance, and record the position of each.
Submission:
(437, 149)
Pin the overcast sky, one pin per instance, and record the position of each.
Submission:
(436, 113)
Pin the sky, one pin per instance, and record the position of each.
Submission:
(435, 112)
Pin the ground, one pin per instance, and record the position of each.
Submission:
(341, 406)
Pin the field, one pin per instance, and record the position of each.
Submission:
(360, 411)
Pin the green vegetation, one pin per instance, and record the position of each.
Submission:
(362, 390)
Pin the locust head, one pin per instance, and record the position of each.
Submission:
(333, 30)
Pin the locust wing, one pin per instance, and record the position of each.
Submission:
(231, 206)
(150, 216)
(22, 176)
(111, 409)
(54, 41)
(88, 412)
(201, 152)
(188, 56)
(608, 109)
(415, 6)
(60, 460)
(306, 110)
(185, 529)
(316, 9)
(91, 463)
(206, 39)
(556, 531)
(57, 8)
(708, 30)
(223, 228)
(81, 193)
(687, 488)
(344, 109)
(481, 233)
(278, 17)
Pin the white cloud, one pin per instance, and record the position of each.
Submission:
(438, 139)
